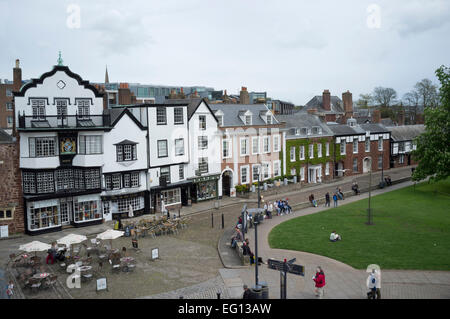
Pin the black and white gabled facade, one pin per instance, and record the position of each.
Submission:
(61, 127)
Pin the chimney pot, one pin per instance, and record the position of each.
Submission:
(17, 63)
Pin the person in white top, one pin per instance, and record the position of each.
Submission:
(373, 283)
(335, 237)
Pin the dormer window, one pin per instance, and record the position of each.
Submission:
(126, 151)
(269, 119)
(317, 130)
(219, 117)
(297, 131)
(304, 131)
(246, 117)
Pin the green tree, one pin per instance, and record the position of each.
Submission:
(433, 146)
(384, 97)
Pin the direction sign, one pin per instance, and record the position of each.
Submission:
(287, 267)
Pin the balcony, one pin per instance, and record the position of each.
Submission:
(44, 122)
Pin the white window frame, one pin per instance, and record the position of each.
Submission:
(327, 168)
(266, 139)
(276, 143)
(367, 145)
(319, 150)
(176, 117)
(202, 122)
(255, 142)
(311, 150)
(327, 149)
(201, 142)
(166, 148)
(229, 149)
(292, 154)
(380, 143)
(302, 152)
(302, 173)
(177, 147)
(247, 170)
(355, 143)
(343, 147)
(243, 141)
(276, 168)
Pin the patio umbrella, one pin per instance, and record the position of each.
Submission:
(71, 239)
(35, 246)
(373, 266)
(110, 234)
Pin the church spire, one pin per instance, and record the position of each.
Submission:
(106, 76)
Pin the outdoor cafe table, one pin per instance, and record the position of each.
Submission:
(126, 259)
(41, 275)
(85, 268)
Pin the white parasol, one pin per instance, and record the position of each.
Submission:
(71, 239)
(35, 246)
(373, 266)
(110, 234)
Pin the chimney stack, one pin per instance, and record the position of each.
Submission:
(312, 111)
(17, 77)
(326, 100)
(348, 104)
(376, 116)
(244, 97)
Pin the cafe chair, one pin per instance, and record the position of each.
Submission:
(50, 281)
(35, 284)
(86, 277)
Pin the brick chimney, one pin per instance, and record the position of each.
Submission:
(17, 77)
(326, 100)
(124, 94)
(244, 97)
(376, 116)
(348, 104)
(401, 118)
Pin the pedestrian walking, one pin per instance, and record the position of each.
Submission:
(335, 199)
(327, 199)
(10, 289)
(247, 293)
(319, 280)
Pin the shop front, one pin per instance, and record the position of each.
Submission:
(205, 187)
(125, 205)
(48, 215)
(171, 197)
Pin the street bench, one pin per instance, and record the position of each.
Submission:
(245, 259)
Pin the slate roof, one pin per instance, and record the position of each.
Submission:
(231, 113)
(316, 102)
(406, 132)
(374, 128)
(193, 103)
(303, 119)
(344, 129)
(5, 137)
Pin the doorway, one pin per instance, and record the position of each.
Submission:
(367, 163)
(226, 182)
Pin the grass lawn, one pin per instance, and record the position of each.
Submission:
(411, 230)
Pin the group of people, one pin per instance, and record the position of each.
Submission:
(388, 180)
(338, 195)
(54, 254)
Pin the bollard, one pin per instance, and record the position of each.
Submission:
(179, 213)
(212, 220)
(218, 295)
(223, 222)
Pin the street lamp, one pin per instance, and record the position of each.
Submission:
(256, 226)
(369, 210)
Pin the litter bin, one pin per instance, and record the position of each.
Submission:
(264, 290)
(256, 292)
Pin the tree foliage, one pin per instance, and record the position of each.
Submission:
(384, 97)
(433, 146)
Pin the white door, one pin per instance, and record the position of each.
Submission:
(366, 165)
(319, 174)
(65, 208)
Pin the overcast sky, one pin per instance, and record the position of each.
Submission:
(291, 49)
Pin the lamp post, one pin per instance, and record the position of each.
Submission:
(369, 211)
(256, 227)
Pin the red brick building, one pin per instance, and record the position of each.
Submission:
(360, 148)
(402, 144)
(6, 99)
(11, 202)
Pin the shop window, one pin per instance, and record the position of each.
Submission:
(44, 217)
(85, 211)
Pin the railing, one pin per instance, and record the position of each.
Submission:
(64, 121)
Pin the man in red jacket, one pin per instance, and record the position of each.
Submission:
(319, 279)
